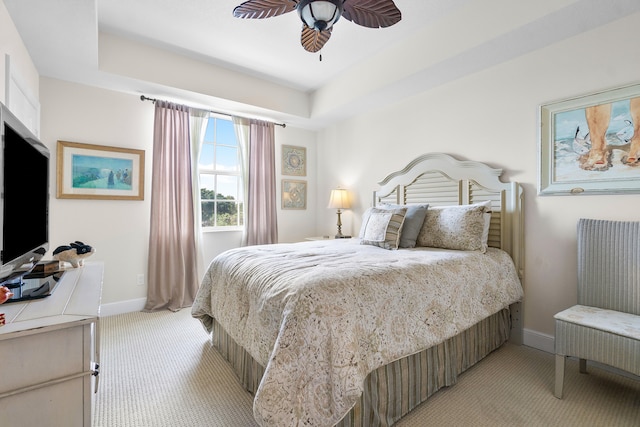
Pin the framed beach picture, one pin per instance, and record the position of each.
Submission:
(294, 194)
(294, 160)
(591, 144)
(87, 171)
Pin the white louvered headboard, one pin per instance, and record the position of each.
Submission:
(440, 180)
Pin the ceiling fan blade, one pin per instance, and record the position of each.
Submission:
(259, 9)
(313, 40)
(372, 13)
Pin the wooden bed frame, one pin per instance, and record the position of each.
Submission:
(392, 391)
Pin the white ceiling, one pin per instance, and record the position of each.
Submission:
(62, 37)
(269, 48)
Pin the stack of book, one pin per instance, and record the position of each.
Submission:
(46, 267)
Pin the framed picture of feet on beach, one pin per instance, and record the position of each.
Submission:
(87, 171)
(591, 144)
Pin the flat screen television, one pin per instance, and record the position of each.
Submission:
(24, 189)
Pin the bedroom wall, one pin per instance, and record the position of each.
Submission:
(11, 44)
(119, 230)
(492, 116)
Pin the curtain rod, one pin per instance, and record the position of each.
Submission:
(145, 98)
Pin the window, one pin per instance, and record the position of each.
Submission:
(220, 176)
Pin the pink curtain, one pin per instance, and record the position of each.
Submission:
(261, 220)
(172, 270)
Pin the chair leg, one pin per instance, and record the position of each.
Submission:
(583, 366)
(560, 362)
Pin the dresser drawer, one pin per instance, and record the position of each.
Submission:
(38, 358)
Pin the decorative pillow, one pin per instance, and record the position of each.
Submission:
(456, 227)
(413, 220)
(383, 227)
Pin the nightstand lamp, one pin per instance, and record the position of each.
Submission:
(339, 200)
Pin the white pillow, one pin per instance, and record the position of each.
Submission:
(462, 227)
(383, 227)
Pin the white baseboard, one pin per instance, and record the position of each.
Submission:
(531, 338)
(122, 307)
(539, 340)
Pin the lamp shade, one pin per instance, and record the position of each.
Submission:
(339, 199)
(320, 15)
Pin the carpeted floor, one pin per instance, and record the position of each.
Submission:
(158, 369)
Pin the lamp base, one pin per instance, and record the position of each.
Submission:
(341, 236)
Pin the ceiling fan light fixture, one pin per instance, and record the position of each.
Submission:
(320, 15)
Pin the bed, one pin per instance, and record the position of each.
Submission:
(358, 332)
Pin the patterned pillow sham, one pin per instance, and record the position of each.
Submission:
(463, 227)
(383, 227)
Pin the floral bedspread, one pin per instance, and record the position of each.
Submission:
(320, 316)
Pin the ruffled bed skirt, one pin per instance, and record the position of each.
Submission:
(393, 390)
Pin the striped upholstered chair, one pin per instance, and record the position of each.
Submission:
(605, 325)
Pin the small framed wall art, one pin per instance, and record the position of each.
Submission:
(294, 160)
(87, 171)
(294, 194)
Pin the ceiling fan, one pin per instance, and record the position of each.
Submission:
(318, 16)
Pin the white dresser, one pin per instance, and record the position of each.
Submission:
(49, 353)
